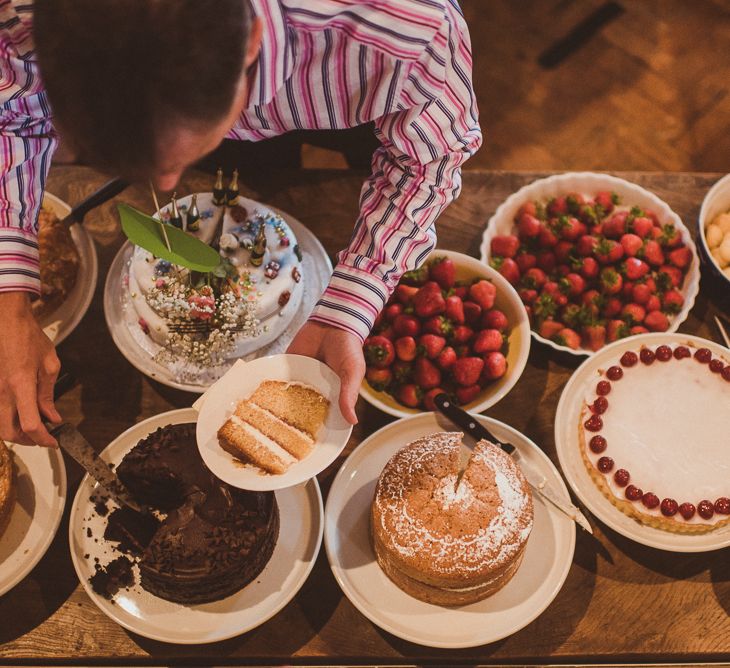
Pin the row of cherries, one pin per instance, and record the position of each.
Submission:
(669, 507)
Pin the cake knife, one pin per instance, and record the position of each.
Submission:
(97, 198)
(537, 481)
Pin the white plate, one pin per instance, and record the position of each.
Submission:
(502, 222)
(58, 324)
(546, 563)
(300, 537)
(317, 269)
(41, 496)
(567, 443)
(220, 402)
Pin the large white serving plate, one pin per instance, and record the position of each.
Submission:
(545, 566)
(300, 537)
(140, 350)
(41, 497)
(567, 442)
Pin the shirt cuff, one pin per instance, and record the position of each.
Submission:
(351, 301)
(19, 263)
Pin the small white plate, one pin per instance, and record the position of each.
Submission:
(316, 270)
(58, 324)
(300, 537)
(545, 566)
(568, 446)
(41, 496)
(220, 403)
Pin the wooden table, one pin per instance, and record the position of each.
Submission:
(622, 603)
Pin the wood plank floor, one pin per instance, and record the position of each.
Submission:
(650, 90)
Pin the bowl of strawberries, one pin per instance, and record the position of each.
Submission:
(594, 258)
(453, 325)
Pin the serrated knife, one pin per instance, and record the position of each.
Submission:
(537, 481)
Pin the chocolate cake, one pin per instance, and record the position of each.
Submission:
(215, 538)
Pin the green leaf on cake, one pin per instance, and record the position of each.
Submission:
(185, 249)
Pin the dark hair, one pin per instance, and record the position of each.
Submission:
(118, 71)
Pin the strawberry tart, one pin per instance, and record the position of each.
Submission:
(653, 434)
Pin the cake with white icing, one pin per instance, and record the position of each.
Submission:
(194, 324)
(444, 544)
(654, 436)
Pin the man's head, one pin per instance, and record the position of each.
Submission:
(143, 88)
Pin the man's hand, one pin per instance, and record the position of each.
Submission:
(341, 352)
(28, 370)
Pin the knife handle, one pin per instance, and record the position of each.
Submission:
(65, 381)
(106, 192)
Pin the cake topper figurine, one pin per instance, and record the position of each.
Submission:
(192, 219)
(232, 192)
(175, 217)
(219, 193)
(259, 246)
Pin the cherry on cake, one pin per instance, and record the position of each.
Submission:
(654, 437)
(444, 544)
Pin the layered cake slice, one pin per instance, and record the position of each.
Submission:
(7, 486)
(276, 426)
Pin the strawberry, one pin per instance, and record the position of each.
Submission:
(567, 337)
(549, 328)
(562, 270)
(606, 200)
(487, 341)
(526, 208)
(446, 358)
(547, 238)
(671, 238)
(586, 245)
(462, 350)
(465, 395)
(571, 228)
(546, 260)
(386, 330)
(572, 284)
(616, 329)
(409, 395)
(392, 311)
(461, 334)
(673, 301)
(505, 245)
(563, 250)
(429, 301)
(405, 293)
(425, 374)
(594, 337)
(495, 366)
(653, 304)
(652, 253)
(467, 370)
(378, 352)
(472, 313)
(656, 234)
(612, 307)
(438, 325)
(635, 268)
(507, 267)
(428, 398)
(526, 261)
(680, 257)
(557, 206)
(589, 268)
(431, 345)
(402, 371)
(641, 293)
(574, 201)
(528, 226)
(534, 278)
(638, 329)
(608, 251)
(628, 289)
(552, 289)
(379, 379)
(527, 295)
(405, 348)
(415, 277)
(631, 244)
(615, 226)
(610, 281)
(656, 321)
(494, 319)
(544, 307)
(406, 325)
(641, 226)
(443, 271)
(454, 309)
(483, 293)
(669, 276)
(633, 313)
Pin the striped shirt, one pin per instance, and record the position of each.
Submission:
(323, 64)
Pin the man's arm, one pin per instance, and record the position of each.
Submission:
(28, 362)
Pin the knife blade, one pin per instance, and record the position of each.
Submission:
(537, 481)
(97, 198)
(73, 442)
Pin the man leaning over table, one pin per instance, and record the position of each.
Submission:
(145, 88)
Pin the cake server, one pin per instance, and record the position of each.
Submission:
(477, 430)
(105, 193)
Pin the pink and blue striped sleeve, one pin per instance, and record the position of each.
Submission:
(433, 129)
(27, 141)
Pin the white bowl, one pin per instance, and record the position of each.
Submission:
(502, 222)
(508, 301)
(717, 200)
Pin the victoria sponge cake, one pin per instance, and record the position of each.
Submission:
(447, 545)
